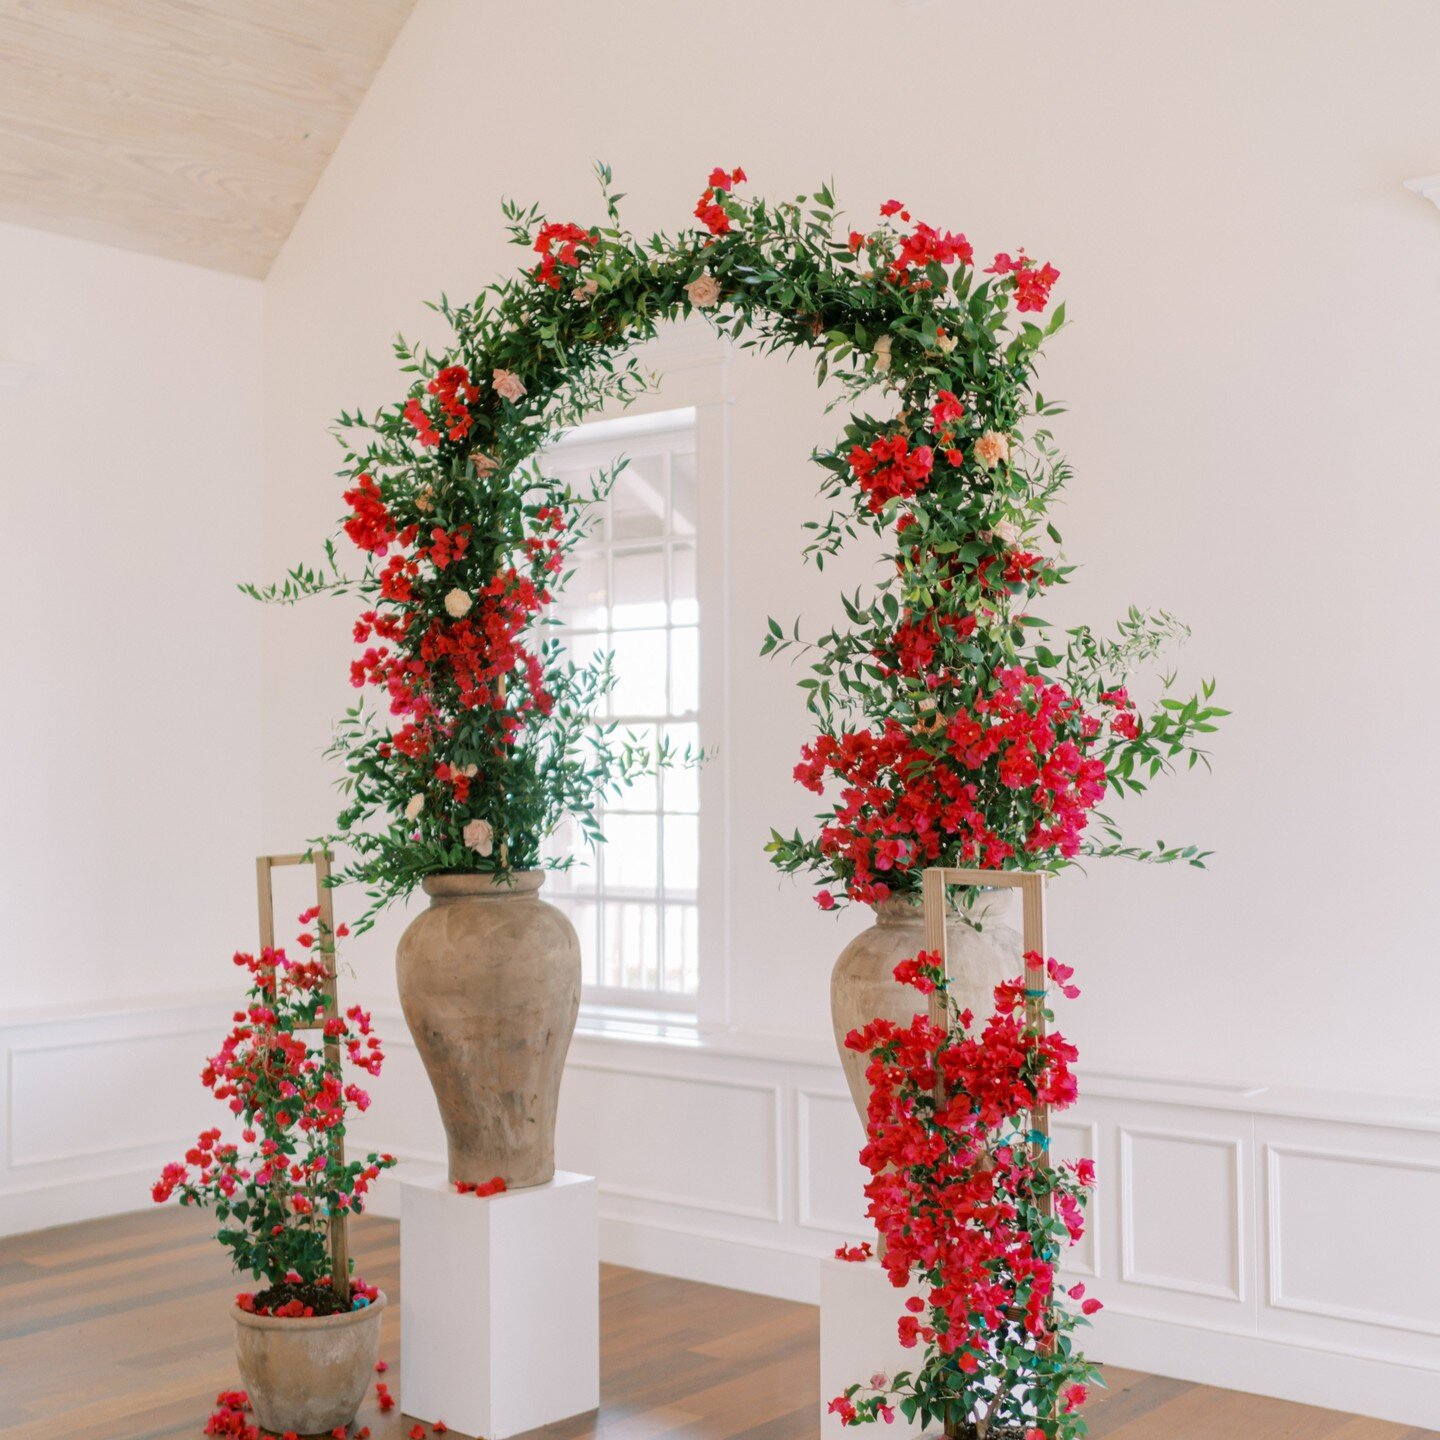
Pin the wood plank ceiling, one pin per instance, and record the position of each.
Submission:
(192, 129)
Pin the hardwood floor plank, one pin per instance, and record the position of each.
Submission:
(120, 1329)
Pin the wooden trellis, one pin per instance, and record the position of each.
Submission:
(1031, 885)
(338, 1220)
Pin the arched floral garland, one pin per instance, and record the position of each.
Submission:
(954, 733)
(950, 729)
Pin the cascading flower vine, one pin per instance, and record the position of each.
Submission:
(275, 1185)
(971, 1211)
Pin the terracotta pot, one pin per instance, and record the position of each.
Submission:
(490, 984)
(311, 1375)
(863, 986)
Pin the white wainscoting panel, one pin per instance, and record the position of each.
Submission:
(92, 1105)
(1166, 1176)
(1280, 1241)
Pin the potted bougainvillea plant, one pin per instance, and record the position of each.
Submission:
(274, 1176)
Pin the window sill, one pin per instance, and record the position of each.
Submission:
(614, 1024)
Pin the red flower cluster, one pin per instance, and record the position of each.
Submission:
(856, 1254)
(959, 1198)
(493, 1186)
(1014, 759)
(708, 210)
(570, 238)
(1032, 286)
(371, 527)
(454, 392)
(890, 470)
(926, 246)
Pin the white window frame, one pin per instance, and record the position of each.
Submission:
(695, 363)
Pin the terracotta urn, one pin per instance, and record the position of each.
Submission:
(863, 986)
(307, 1376)
(489, 979)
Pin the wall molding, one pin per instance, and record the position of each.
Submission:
(1427, 186)
(1129, 1271)
(1274, 1154)
(770, 1230)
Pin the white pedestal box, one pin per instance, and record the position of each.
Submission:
(859, 1310)
(499, 1305)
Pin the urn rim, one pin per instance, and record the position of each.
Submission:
(454, 884)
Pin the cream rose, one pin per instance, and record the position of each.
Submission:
(479, 835)
(457, 604)
(991, 449)
(508, 385)
(413, 806)
(882, 354)
(1005, 531)
(946, 343)
(704, 292)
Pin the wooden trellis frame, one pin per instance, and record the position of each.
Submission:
(338, 1220)
(1031, 885)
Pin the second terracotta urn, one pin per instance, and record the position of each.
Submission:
(863, 986)
(489, 978)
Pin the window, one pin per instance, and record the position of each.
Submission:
(633, 592)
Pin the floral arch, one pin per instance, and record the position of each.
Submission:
(952, 727)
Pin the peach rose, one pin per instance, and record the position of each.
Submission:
(425, 500)
(586, 288)
(457, 604)
(1005, 531)
(882, 354)
(479, 835)
(704, 292)
(508, 385)
(991, 449)
(486, 464)
(946, 343)
(413, 806)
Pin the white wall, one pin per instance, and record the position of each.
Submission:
(130, 763)
(1250, 378)
(131, 756)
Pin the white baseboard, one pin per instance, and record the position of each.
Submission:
(1330, 1379)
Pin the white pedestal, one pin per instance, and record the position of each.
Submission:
(499, 1305)
(859, 1309)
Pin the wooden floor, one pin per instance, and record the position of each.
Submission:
(119, 1330)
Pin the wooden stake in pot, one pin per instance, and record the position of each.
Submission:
(264, 864)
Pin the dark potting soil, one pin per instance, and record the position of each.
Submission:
(320, 1299)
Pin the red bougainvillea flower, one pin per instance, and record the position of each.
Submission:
(1032, 286)
(888, 469)
(855, 1253)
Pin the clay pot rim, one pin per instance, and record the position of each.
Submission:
(309, 1323)
(446, 883)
